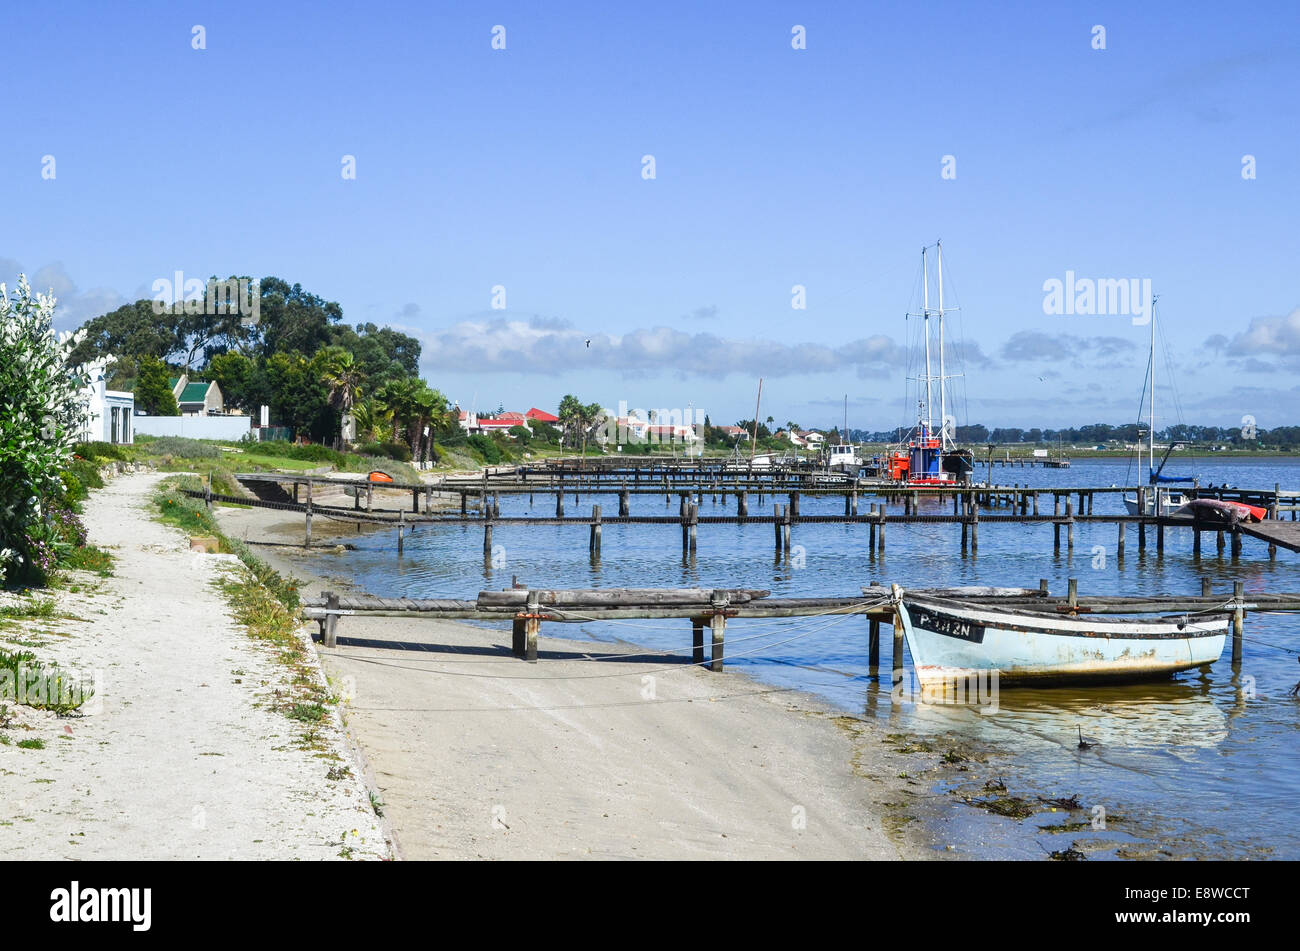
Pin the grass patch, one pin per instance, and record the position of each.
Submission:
(31, 744)
(26, 680)
(90, 559)
(29, 609)
(307, 712)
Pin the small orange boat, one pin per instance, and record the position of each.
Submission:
(378, 475)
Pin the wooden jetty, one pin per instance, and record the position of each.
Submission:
(527, 608)
(971, 507)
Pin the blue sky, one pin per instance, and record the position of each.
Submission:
(775, 167)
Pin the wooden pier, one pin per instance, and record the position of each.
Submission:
(971, 507)
(526, 609)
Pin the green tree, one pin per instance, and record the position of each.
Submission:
(235, 374)
(153, 388)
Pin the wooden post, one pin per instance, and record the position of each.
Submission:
(370, 496)
(207, 493)
(593, 544)
(1072, 595)
(1236, 543)
(463, 501)
(1238, 616)
(559, 504)
(873, 648)
(1035, 504)
(415, 501)
(794, 504)
(871, 544)
(307, 542)
(697, 640)
(785, 533)
(1069, 526)
(776, 521)
(1160, 539)
(881, 533)
(719, 624)
(624, 503)
(401, 530)
(975, 530)
(694, 517)
(965, 533)
(532, 625)
(1196, 542)
(331, 619)
(742, 503)
(1119, 545)
(1042, 587)
(1205, 587)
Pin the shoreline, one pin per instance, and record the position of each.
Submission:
(637, 757)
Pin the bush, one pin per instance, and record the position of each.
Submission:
(312, 452)
(40, 415)
(387, 450)
(183, 447)
(100, 450)
(522, 434)
(484, 449)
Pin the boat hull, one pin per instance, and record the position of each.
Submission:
(950, 641)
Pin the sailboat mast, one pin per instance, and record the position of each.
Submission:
(943, 397)
(925, 313)
(1151, 462)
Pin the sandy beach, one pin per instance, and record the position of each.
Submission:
(181, 753)
(477, 754)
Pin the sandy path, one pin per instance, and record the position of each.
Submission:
(478, 754)
(176, 760)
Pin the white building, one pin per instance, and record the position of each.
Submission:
(109, 414)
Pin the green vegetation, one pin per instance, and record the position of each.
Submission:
(27, 681)
(40, 412)
(153, 391)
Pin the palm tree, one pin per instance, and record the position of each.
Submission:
(369, 414)
(344, 377)
(399, 396)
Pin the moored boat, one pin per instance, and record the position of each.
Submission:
(950, 640)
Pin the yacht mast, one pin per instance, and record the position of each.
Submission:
(943, 400)
(1151, 462)
(925, 313)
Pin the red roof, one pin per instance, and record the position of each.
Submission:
(541, 416)
(497, 423)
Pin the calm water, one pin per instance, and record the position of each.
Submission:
(1201, 765)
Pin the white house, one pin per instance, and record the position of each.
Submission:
(109, 414)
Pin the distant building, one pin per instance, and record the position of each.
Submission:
(738, 433)
(541, 416)
(108, 413)
(198, 399)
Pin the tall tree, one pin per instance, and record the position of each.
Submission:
(153, 389)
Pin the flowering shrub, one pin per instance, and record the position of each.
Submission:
(40, 415)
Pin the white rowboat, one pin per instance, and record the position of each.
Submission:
(951, 639)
